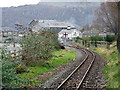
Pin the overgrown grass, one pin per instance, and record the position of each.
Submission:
(59, 57)
(111, 69)
(62, 56)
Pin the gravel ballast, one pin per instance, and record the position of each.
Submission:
(95, 78)
(65, 70)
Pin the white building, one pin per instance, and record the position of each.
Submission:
(68, 34)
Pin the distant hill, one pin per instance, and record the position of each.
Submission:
(75, 13)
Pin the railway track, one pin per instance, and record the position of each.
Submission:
(78, 75)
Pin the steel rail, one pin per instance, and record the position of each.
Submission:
(84, 50)
(63, 82)
(87, 70)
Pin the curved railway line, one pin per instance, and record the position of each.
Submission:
(78, 75)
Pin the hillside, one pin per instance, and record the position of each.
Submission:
(75, 13)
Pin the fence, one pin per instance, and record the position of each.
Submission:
(94, 43)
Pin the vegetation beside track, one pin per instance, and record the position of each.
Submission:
(40, 54)
(111, 69)
(59, 57)
(30, 78)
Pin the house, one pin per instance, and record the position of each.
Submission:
(90, 33)
(53, 25)
(68, 34)
(104, 34)
(7, 33)
(94, 32)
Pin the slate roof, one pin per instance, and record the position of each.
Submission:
(50, 23)
(7, 29)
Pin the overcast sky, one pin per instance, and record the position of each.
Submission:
(8, 3)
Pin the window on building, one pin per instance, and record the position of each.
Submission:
(5, 34)
(9, 33)
(75, 33)
(15, 33)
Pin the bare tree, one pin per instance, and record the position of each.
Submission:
(107, 17)
(118, 40)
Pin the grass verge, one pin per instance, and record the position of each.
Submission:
(111, 69)
(59, 57)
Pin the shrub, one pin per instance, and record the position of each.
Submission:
(77, 39)
(85, 41)
(8, 75)
(9, 79)
(110, 38)
(20, 68)
(7, 56)
(97, 38)
(38, 47)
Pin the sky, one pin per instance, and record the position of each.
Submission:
(9, 3)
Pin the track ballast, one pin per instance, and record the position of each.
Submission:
(76, 78)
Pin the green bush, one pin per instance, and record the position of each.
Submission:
(97, 38)
(7, 56)
(38, 47)
(77, 39)
(20, 68)
(110, 38)
(9, 40)
(9, 79)
(85, 40)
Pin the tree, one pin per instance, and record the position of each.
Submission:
(85, 40)
(82, 30)
(118, 41)
(109, 39)
(86, 27)
(37, 47)
(77, 39)
(97, 38)
(107, 18)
